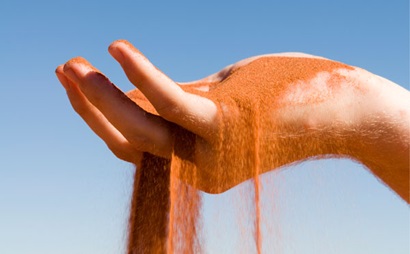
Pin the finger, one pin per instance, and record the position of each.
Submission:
(190, 111)
(97, 122)
(144, 131)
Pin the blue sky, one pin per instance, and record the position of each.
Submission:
(61, 190)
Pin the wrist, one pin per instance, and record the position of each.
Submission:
(383, 130)
(380, 135)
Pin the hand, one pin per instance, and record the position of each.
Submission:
(321, 111)
(127, 129)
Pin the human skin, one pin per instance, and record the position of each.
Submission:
(366, 118)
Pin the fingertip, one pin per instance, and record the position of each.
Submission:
(122, 42)
(121, 48)
(118, 44)
(62, 78)
(59, 69)
(76, 61)
(77, 68)
(115, 52)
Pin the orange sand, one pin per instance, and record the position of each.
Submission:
(165, 210)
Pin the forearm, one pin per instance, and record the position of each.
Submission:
(383, 135)
(368, 121)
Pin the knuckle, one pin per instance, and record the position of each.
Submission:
(79, 108)
(167, 111)
(123, 154)
(170, 110)
(120, 154)
(140, 143)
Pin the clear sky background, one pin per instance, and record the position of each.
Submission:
(62, 191)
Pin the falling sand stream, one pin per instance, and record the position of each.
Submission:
(166, 205)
